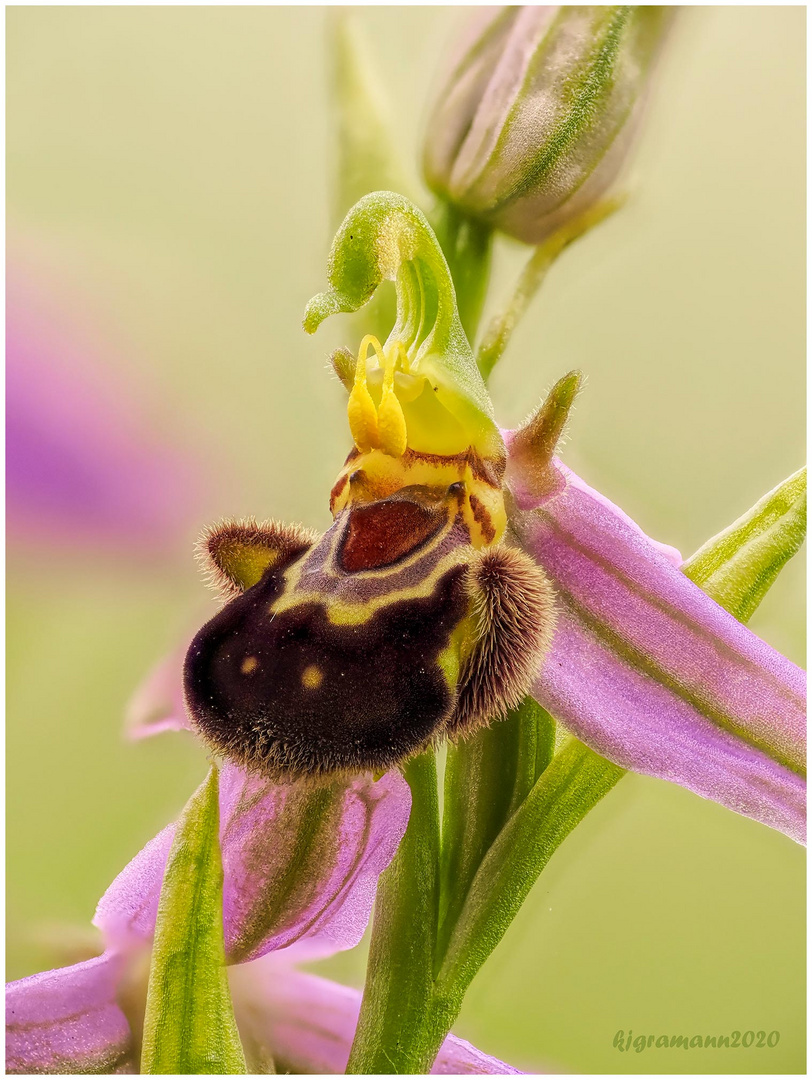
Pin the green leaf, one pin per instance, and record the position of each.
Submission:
(739, 565)
(385, 237)
(189, 1027)
(401, 1025)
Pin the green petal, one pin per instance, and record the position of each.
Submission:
(739, 565)
(385, 237)
(189, 1027)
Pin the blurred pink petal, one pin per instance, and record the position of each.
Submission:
(84, 462)
(157, 704)
(309, 1023)
(68, 1021)
(650, 672)
(301, 864)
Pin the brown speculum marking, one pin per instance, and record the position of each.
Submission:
(380, 533)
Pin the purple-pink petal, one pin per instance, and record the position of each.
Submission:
(300, 865)
(84, 462)
(338, 838)
(309, 1023)
(649, 671)
(68, 1021)
(157, 704)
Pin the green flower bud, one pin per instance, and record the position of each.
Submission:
(537, 116)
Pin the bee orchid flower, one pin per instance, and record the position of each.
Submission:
(466, 567)
(86, 465)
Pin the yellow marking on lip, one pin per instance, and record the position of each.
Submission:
(312, 677)
(249, 665)
(342, 613)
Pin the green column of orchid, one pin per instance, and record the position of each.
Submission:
(467, 245)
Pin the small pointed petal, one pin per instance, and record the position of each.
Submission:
(652, 673)
(157, 704)
(310, 1023)
(68, 1021)
(337, 839)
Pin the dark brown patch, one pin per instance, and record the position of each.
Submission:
(515, 606)
(338, 487)
(380, 533)
(382, 698)
(489, 472)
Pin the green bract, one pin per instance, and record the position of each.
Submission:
(189, 1027)
(738, 566)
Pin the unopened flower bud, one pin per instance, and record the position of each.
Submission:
(536, 118)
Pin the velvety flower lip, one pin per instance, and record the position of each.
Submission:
(651, 672)
(311, 1021)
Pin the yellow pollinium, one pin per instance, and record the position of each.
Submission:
(383, 426)
(430, 449)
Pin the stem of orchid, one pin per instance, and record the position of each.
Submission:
(487, 777)
(403, 1021)
(467, 245)
(572, 784)
(416, 981)
(501, 327)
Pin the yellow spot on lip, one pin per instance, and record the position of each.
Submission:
(312, 677)
(249, 664)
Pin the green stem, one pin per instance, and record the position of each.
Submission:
(415, 981)
(467, 245)
(487, 777)
(573, 783)
(403, 1021)
(502, 326)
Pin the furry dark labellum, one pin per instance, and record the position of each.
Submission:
(357, 649)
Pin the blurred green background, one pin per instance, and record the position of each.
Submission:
(168, 176)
